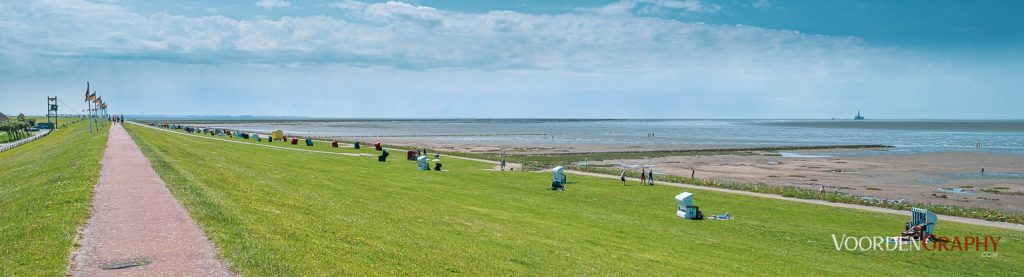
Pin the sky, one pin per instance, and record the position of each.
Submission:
(518, 59)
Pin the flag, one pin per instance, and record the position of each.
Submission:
(92, 97)
(98, 100)
(86, 91)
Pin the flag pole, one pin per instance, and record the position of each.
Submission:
(90, 117)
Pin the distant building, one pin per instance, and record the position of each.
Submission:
(858, 116)
(3, 117)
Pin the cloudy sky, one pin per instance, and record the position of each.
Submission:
(504, 58)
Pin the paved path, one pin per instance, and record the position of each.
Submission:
(135, 220)
(1012, 226)
(13, 144)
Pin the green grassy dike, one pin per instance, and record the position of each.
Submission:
(274, 212)
(45, 195)
(570, 161)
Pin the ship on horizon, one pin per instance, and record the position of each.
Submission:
(858, 116)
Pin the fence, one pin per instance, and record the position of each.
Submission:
(24, 141)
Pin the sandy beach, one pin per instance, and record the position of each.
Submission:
(950, 178)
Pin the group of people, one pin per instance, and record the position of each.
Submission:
(646, 177)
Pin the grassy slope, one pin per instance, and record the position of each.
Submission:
(45, 194)
(279, 212)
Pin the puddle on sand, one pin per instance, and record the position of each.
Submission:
(930, 181)
(955, 190)
(801, 155)
(986, 175)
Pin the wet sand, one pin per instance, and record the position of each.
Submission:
(921, 178)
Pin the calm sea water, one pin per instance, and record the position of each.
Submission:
(908, 136)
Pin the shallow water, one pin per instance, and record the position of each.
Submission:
(906, 136)
(986, 175)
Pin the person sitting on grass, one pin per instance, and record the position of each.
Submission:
(556, 185)
(437, 162)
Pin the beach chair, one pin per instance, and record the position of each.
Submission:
(334, 144)
(558, 174)
(295, 141)
(921, 225)
(685, 208)
(411, 155)
(377, 146)
(355, 145)
(383, 156)
(309, 142)
(421, 162)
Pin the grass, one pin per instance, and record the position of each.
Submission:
(45, 195)
(837, 197)
(276, 212)
(534, 162)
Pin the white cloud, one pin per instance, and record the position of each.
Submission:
(405, 35)
(348, 5)
(270, 4)
(762, 4)
(417, 37)
(655, 7)
(403, 51)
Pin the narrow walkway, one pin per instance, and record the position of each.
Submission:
(137, 228)
(11, 145)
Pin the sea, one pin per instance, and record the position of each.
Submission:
(907, 136)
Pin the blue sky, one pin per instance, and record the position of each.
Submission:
(585, 58)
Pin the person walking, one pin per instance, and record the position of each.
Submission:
(650, 176)
(502, 160)
(643, 176)
(622, 176)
